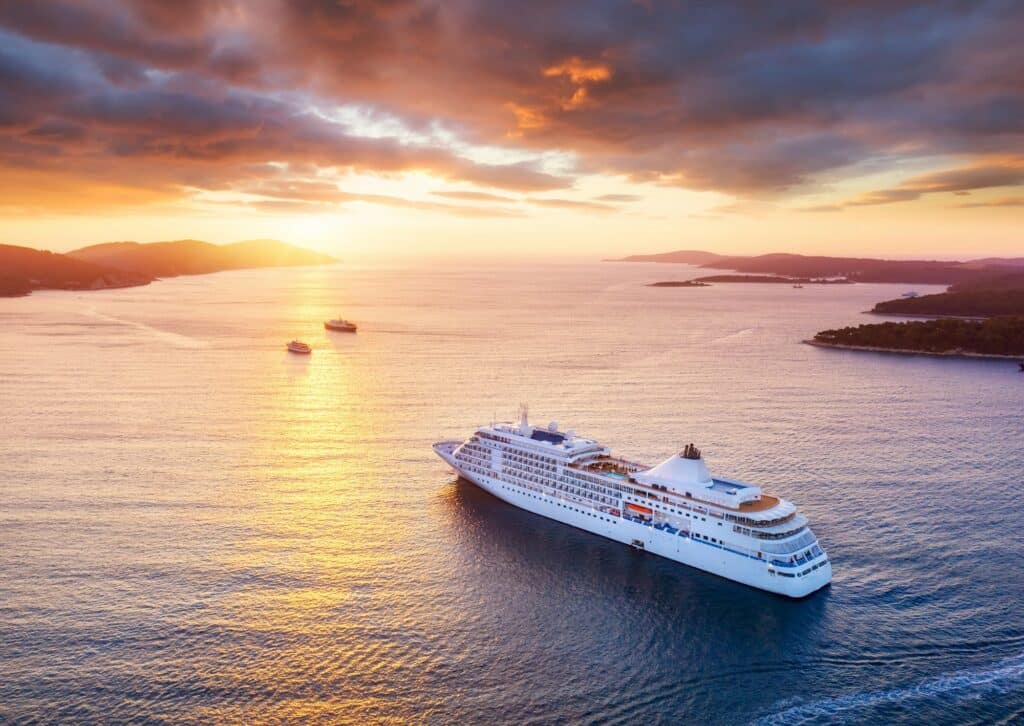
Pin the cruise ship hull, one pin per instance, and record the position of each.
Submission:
(681, 548)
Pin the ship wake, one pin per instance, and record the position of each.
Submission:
(1001, 677)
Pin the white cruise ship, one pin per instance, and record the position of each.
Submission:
(675, 509)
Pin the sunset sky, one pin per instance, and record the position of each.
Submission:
(400, 127)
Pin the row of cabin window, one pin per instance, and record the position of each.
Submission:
(581, 511)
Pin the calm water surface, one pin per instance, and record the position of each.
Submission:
(197, 527)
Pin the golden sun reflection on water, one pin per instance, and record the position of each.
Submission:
(202, 527)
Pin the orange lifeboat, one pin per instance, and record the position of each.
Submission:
(639, 510)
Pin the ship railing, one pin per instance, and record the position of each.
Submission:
(608, 464)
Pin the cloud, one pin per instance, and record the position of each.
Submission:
(956, 181)
(61, 113)
(756, 100)
(573, 204)
(474, 196)
(619, 198)
(1002, 202)
(743, 208)
(822, 208)
(290, 197)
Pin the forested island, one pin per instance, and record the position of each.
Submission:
(997, 295)
(996, 337)
(127, 264)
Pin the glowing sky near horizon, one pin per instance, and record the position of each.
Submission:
(404, 127)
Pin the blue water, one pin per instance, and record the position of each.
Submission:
(197, 527)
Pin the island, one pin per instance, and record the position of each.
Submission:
(854, 269)
(768, 279)
(128, 264)
(996, 337)
(680, 283)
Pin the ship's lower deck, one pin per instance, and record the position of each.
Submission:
(673, 544)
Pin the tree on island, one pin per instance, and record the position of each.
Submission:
(1002, 335)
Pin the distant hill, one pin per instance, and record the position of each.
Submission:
(970, 303)
(23, 269)
(1000, 281)
(774, 279)
(998, 261)
(857, 269)
(125, 264)
(990, 295)
(689, 257)
(195, 257)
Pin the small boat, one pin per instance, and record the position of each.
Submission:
(299, 347)
(341, 325)
(798, 286)
(1022, 366)
(909, 294)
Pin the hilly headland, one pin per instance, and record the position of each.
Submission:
(128, 264)
(853, 269)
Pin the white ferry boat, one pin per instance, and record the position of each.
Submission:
(675, 509)
(341, 325)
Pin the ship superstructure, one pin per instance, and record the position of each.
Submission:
(675, 509)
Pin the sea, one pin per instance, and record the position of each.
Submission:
(199, 527)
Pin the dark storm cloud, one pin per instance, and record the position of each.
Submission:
(747, 98)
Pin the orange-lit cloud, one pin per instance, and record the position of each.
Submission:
(527, 119)
(119, 103)
(580, 73)
(956, 181)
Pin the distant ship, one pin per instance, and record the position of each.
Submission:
(675, 509)
(299, 347)
(798, 286)
(910, 293)
(341, 325)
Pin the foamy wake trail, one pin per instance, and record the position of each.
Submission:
(178, 341)
(1001, 677)
(732, 336)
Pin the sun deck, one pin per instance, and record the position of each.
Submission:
(767, 501)
(610, 465)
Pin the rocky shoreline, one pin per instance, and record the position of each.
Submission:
(921, 316)
(908, 351)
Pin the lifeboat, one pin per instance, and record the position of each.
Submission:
(645, 511)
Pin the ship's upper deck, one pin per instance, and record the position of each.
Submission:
(684, 475)
(551, 441)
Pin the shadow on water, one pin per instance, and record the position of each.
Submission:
(650, 593)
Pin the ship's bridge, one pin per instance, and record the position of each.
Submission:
(561, 444)
(687, 475)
